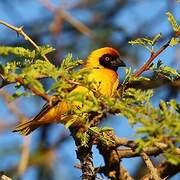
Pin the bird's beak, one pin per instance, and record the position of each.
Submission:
(120, 63)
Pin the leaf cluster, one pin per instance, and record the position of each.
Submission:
(165, 71)
(149, 43)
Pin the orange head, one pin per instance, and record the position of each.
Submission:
(106, 57)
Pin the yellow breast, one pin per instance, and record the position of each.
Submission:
(106, 80)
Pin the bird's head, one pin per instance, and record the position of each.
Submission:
(106, 57)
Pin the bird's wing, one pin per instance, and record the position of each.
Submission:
(45, 109)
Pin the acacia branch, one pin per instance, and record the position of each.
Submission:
(23, 164)
(165, 169)
(34, 90)
(149, 164)
(129, 152)
(84, 153)
(112, 161)
(4, 177)
(19, 31)
(150, 60)
(11, 106)
(62, 13)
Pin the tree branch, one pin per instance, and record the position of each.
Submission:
(23, 164)
(3, 176)
(66, 16)
(84, 154)
(19, 31)
(150, 60)
(34, 90)
(165, 169)
(129, 152)
(111, 159)
(112, 162)
(153, 171)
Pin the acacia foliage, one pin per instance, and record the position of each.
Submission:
(155, 126)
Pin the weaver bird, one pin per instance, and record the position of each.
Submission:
(103, 64)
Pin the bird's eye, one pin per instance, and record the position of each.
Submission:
(107, 58)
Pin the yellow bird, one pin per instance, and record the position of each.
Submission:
(103, 64)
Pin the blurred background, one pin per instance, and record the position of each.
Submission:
(78, 27)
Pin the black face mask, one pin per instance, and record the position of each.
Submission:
(111, 61)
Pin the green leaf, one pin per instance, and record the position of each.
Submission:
(163, 105)
(169, 72)
(104, 129)
(1, 69)
(172, 158)
(35, 83)
(156, 38)
(146, 42)
(173, 22)
(68, 63)
(18, 51)
(70, 122)
(140, 41)
(45, 50)
(127, 77)
(174, 41)
(159, 63)
(17, 94)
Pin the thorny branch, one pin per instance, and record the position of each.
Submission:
(126, 153)
(34, 90)
(165, 170)
(129, 152)
(23, 164)
(19, 31)
(150, 60)
(84, 154)
(66, 16)
(150, 166)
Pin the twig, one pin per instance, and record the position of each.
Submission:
(152, 169)
(6, 82)
(4, 177)
(75, 23)
(12, 107)
(112, 162)
(125, 174)
(24, 156)
(34, 90)
(125, 142)
(103, 170)
(129, 152)
(66, 16)
(165, 169)
(150, 60)
(19, 31)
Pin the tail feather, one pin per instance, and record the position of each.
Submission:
(26, 128)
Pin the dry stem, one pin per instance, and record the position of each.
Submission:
(149, 164)
(150, 60)
(23, 164)
(66, 16)
(19, 31)
(34, 90)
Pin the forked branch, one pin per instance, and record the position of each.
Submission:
(19, 31)
(150, 60)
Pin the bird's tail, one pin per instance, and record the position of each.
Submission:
(26, 128)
